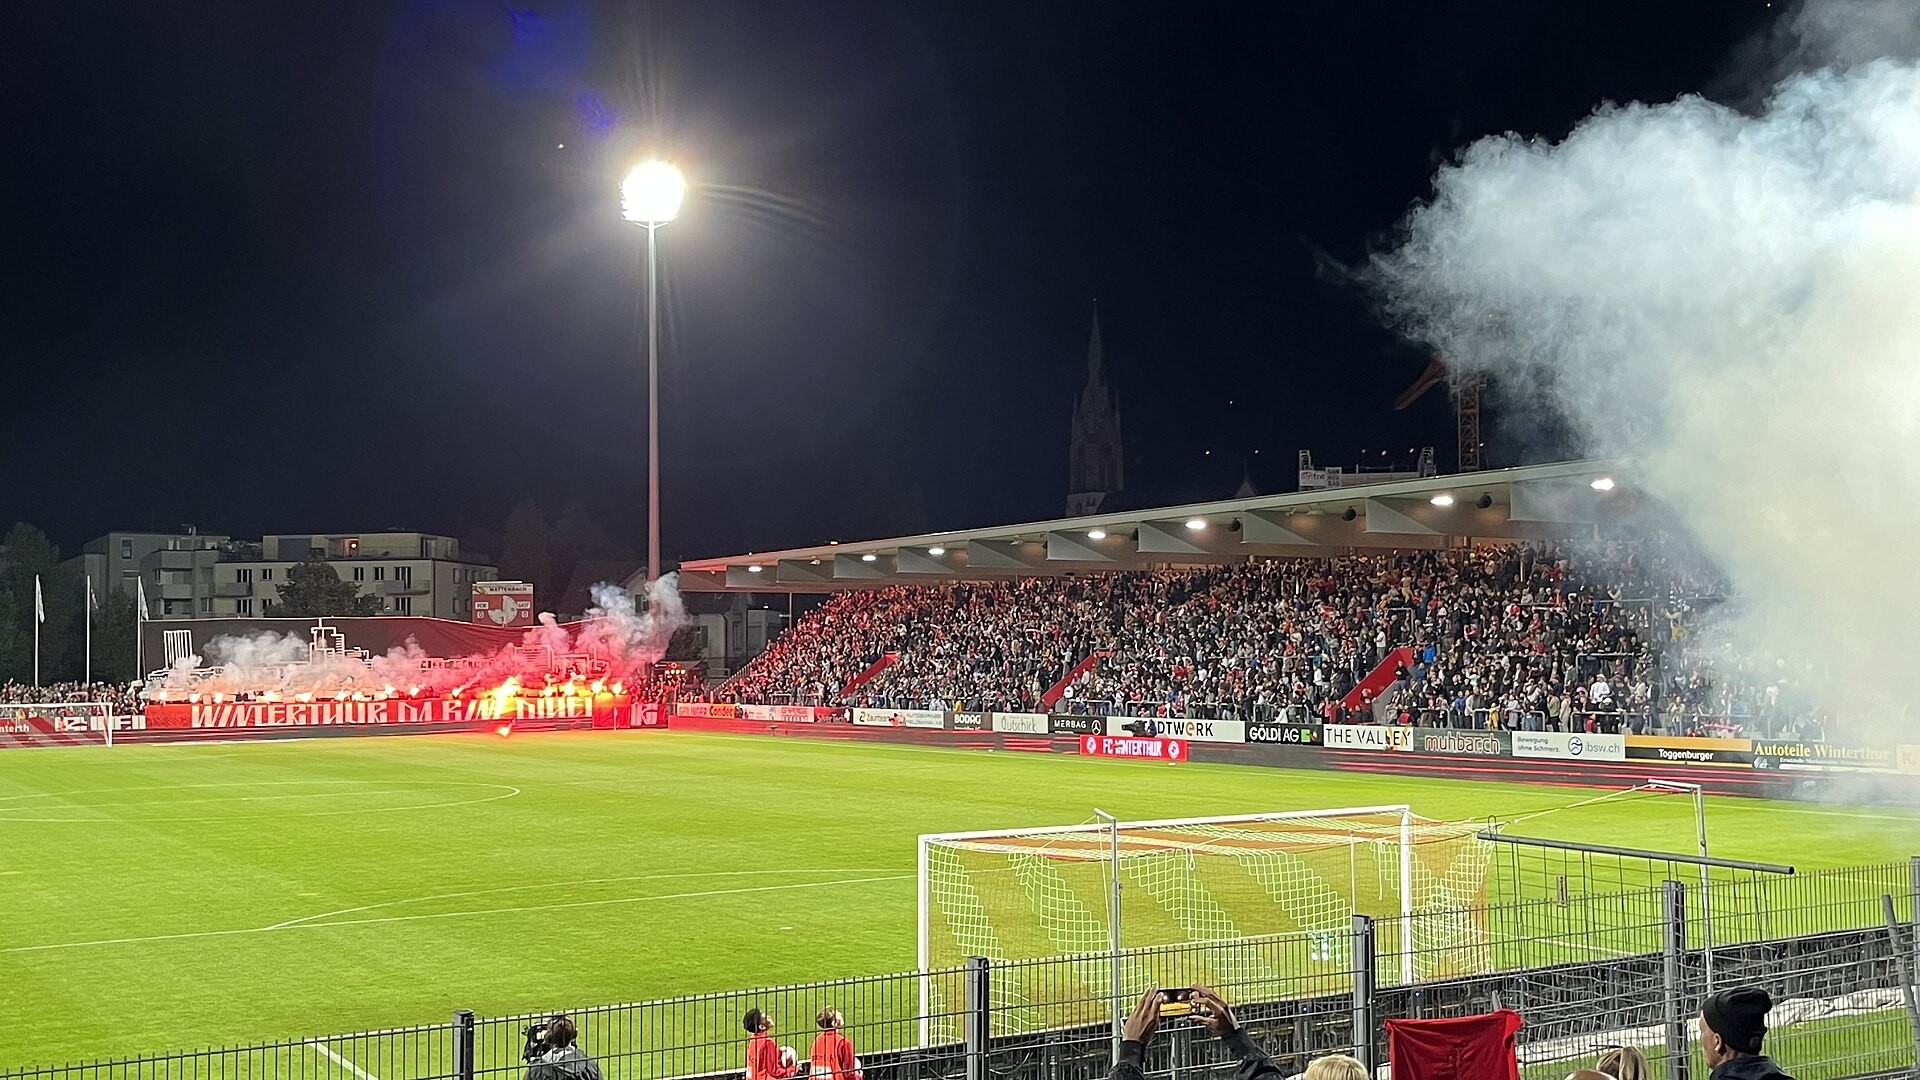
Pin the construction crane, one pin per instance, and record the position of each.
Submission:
(1466, 408)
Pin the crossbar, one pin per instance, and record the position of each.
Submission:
(1639, 853)
(1057, 830)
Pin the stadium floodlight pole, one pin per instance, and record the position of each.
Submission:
(1113, 925)
(650, 197)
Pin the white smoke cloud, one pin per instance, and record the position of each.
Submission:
(1732, 299)
(618, 638)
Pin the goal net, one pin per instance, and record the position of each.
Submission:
(57, 723)
(1291, 880)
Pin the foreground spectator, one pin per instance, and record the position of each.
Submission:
(1335, 1067)
(1208, 1009)
(1733, 1024)
(1624, 1063)
(833, 1057)
(562, 1059)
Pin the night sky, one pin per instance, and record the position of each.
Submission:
(290, 267)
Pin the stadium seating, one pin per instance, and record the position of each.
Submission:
(1597, 637)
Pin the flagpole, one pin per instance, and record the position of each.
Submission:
(139, 616)
(88, 677)
(39, 616)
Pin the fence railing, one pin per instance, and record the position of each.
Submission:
(1587, 972)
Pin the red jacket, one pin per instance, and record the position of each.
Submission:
(763, 1059)
(833, 1057)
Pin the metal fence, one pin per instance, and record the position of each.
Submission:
(1836, 949)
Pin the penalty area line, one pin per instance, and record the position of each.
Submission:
(282, 928)
(340, 1061)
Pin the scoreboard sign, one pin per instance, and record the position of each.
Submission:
(503, 603)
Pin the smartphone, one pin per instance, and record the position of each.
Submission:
(1176, 1002)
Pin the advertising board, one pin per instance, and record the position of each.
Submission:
(1460, 743)
(1730, 753)
(913, 718)
(1137, 749)
(1366, 737)
(1168, 727)
(1569, 746)
(1022, 723)
(1803, 755)
(1076, 724)
(1289, 734)
(969, 721)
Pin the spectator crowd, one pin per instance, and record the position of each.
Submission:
(1599, 637)
(124, 697)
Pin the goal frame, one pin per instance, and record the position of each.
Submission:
(1112, 826)
(104, 714)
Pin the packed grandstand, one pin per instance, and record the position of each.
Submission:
(1528, 636)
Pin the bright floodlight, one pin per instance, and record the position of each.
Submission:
(1442, 499)
(869, 558)
(1096, 534)
(1196, 524)
(651, 193)
(936, 552)
(754, 569)
(1604, 483)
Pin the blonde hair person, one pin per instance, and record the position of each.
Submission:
(1624, 1063)
(1335, 1067)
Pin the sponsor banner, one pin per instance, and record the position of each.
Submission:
(715, 710)
(1795, 754)
(763, 713)
(1569, 746)
(1366, 737)
(1022, 723)
(1071, 724)
(1459, 743)
(1293, 734)
(1737, 753)
(1906, 759)
(1131, 747)
(969, 721)
(914, 718)
(1168, 727)
(400, 711)
(793, 714)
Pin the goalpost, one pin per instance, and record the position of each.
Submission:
(1105, 887)
(56, 723)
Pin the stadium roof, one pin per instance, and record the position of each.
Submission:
(1535, 502)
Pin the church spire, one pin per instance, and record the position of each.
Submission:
(1094, 458)
(1095, 375)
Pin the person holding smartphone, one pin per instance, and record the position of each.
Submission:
(1204, 1005)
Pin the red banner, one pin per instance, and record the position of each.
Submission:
(604, 710)
(1139, 749)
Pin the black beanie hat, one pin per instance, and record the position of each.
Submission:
(1739, 1016)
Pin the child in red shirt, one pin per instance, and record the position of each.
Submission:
(763, 1056)
(833, 1057)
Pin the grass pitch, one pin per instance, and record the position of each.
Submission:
(167, 897)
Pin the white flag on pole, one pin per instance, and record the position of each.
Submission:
(140, 599)
(39, 602)
(92, 604)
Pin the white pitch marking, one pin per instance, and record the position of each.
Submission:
(342, 1062)
(569, 884)
(448, 914)
(509, 792)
